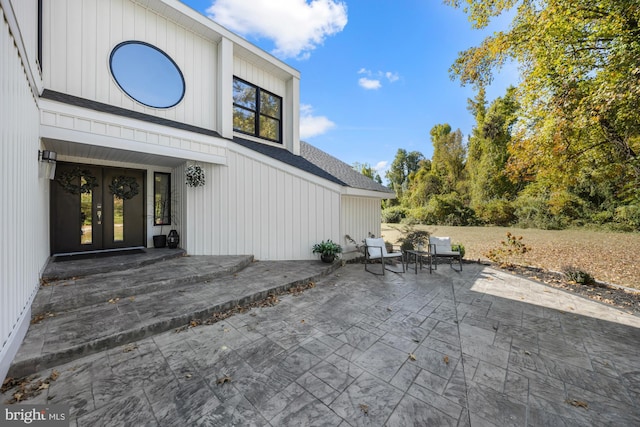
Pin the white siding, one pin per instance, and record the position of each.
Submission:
(253, 207)
(24, 209)
(259, 77)
(82, 34)
(360, 216)
(27, 15)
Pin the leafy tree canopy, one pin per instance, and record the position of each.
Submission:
(580, 80)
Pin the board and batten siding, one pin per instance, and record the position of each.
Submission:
(24, 210)
(259, 77)
(82, 34)
(253, 207)
(360, 216)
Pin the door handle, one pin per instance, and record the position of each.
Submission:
(99, 213)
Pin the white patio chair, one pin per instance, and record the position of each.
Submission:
(440, 247)
(375, 249)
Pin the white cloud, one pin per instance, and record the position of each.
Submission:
(369, 84)
(311, 125)
(392, 77)
(373, 80)
(381, 166)
(295, 26)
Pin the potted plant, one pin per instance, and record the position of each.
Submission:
(328, 250)
(160, 240)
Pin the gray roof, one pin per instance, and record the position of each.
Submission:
(319, 163)
(311, 159)
(340, 169)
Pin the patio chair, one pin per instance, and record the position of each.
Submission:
(375, 249)
(440, 247)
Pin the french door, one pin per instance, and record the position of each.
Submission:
(95, 208)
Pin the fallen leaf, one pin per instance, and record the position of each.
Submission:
(223, 380)
(364, 408)
(132, 299)
(412, 356)
(577, 403)
(113, 300)
(129, 348)
(54, 375)
(302, 321)
(388, 308)
(188, 376)
(527, 353)
(446, 359)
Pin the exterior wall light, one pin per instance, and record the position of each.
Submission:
(47, 160)
(47, 156)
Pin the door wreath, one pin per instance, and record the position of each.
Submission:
(69, 181)
(124, 187)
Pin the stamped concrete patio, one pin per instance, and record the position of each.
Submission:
(479, 347)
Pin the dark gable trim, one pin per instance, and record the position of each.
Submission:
(123, 112)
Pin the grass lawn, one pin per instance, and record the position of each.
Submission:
(609, 257)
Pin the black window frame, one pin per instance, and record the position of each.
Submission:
(164, 217)
(257, 113)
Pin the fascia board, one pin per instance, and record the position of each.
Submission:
(88, 138)
(351, 191)
(47, 105)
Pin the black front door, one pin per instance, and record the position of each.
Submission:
(95, 208)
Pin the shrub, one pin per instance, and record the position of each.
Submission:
(419, 215)
(578, 276)
(629, 215)
(497, 212)
(412, 238)
(458, 247)
(449, 209)
(394, 214)
(511, 248)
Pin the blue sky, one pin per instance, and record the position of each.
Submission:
(374, 73)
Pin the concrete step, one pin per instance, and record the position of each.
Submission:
(84, 264)
(153, 300)
(120, 283)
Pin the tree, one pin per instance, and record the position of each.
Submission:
(580, 83)
(488, 151)
(367, 170)
(403, 165)
(448, 156)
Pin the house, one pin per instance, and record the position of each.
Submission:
(104, 107)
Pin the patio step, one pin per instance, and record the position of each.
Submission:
(78, 317)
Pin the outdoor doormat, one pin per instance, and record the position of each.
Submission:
(97, 255)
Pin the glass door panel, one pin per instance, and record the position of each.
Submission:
(118, 219)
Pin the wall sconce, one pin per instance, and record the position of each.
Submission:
(49, 159)
(47, 156)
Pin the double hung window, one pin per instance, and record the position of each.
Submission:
(256, 112)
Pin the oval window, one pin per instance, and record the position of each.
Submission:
(147, 74)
